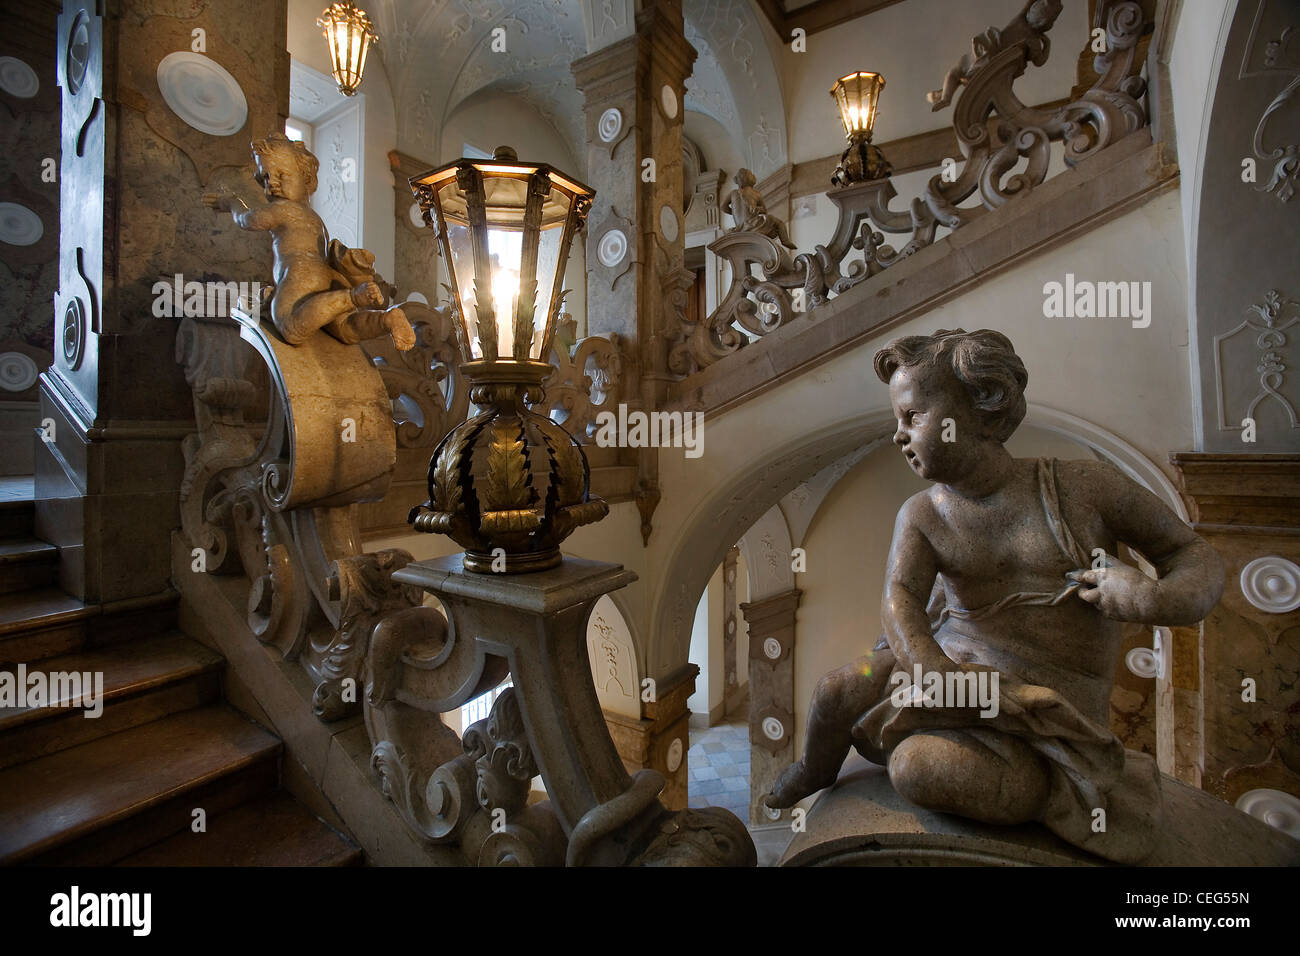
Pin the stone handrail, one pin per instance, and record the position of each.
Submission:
(788, 283)
(282, 508)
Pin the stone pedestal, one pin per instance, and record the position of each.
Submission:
(862, 821)
(1231, 697)
(771, 696)
(133, 169)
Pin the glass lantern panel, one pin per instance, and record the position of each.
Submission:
(452, 203)
(550, 264)
(505, 246)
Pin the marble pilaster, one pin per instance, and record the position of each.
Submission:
(132, 173)
(771, 624)
(1234, 697)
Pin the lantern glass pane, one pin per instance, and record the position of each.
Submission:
(550, 263)
(505, 247)
(461, 249)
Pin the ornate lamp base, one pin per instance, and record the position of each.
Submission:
(861, 162)
(508, 485)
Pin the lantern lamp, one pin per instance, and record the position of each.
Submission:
(858, 97)
(508, 484)
(349, 34)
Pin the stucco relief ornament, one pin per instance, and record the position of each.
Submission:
(1285, 159)
(340, 291)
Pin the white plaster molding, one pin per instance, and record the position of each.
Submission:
(17, 371)
(801, 505)
(18, 79)
(773, 729)
(1272, 584)
(1277, 808)
(19, 226)
(612, 657)
(612, 248)
(202, 93)
(610, 125)
(766, 547)
(1148, 662)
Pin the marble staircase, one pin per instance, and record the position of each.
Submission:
(122, 788)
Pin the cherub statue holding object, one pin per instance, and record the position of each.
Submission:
(1010, 546)
(319, 283)
(745, 205)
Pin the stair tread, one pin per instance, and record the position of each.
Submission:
(40, 607)
(16, 550)
(274, 830)
(54, 800)
(128, 670)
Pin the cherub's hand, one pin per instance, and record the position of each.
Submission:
(1120, 592)
(217, 200)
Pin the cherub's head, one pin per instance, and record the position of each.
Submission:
(745, 179)
(953, 393)
(285, 169)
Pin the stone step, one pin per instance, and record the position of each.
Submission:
(159, 676)
(272, 830)
(45, 622)
(17, 517)
(27, 563)
(101, 801)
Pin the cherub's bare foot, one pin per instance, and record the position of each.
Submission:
(368, 295)
(793, 785)
(400, 329)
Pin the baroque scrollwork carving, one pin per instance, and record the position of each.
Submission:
(429, 394)
(280, 505)
(1280, 56)
(586, 379)
(771, 286)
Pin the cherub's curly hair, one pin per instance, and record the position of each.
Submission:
(307, 163)
(984, 362)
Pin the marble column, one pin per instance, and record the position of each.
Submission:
(731, 689)
(29, 229)
(771, 624)
(637, 282)
(1232, 692)
(659, 740)
(141, 143)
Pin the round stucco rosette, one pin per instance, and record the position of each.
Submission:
(1272, 584)
(19, 226)
(17, 78)
(202, 93)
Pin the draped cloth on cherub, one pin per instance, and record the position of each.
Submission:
(1090, 769)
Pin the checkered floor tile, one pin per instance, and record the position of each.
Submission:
(718, 768)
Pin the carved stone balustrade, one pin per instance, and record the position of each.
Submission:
(534, 627)
(1006, 149)
(282, 507)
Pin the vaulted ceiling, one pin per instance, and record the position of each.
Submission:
(439, 54)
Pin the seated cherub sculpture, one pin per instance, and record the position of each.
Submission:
(1021, 552)
(746, 206)
(319, 283)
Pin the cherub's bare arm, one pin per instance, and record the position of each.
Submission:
(1190, 572)
(909, 579)
(254, 218)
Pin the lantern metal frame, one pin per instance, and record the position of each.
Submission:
(349, 20)
(861, 161)
(508, 484)
(470, 176)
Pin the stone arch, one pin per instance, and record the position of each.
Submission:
(737, 504)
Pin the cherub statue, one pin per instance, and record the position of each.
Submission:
(1021, 553)
(319, 283)
(745, 205)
